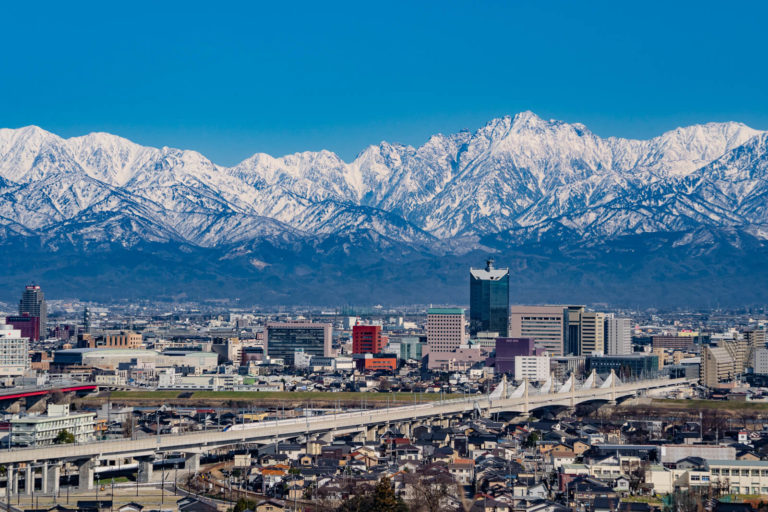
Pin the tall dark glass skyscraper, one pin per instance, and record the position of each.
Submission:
(489, 300)
(32, 304)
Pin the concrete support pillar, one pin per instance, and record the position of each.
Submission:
(51, 475)
(370, 434)
(44, 478)
(145, 470)
(9, 475)
(15, 482)
(29, 479)
(192, 462)
(85, 472)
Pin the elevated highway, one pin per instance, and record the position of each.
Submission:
(522, 399)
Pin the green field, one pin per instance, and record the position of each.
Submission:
(280, 396)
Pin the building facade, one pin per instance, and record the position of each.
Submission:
(760, 361)
(489, 300)
(572, 328)
(14, 352)
(592, 331)
(716, 366)
(508, 349)
(545, 324)
(366, 339)
(533, 368)
(632, 365)
(32, 304)
(446, 329)
(28, 325)
(411, 348)
(42, 430)
(618, 336)
(284, 338)
(673, 342)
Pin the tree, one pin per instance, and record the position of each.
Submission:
(127, 428)
(65, 437)
(244, 504)
(532, 439)
(382, 499)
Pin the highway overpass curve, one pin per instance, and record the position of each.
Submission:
(201, 441)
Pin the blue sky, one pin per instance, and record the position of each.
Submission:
(232, 79)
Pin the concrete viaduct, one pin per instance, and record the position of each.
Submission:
(27, 463)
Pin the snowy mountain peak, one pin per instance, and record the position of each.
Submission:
(515, 173)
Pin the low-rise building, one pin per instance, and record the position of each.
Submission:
(14, 352)
(43, 430)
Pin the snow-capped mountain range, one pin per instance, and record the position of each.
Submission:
(516, 182)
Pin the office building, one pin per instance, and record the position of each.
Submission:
(740, 476)
(42, 430)
(284, 338)
(755, 340)
(716, 366)
(572, 327)
(563, 367)
(533, 368)
(760, 361)
(592, 331)
(545, 324)
(739, 352)
(485, 340)
(375, 362)
(618, 336)
(14, 352)
(366, 339)
(121, 339)
(32, 304)
(446, 329)
(508, 349)
(673, 342)
(29, 326)
(625, 366)
(458, 360)
(410, 348)
(489, 300)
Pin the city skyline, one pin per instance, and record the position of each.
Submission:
(403, 257)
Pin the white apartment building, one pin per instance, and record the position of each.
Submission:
(533, 368)
(344, 364)
(592, 333)
(733, 476)
(14, 352)
(740, 476)
(42, 430)
(446, 329)
(761, 361)
(618, 336)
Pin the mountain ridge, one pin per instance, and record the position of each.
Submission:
(516, 182)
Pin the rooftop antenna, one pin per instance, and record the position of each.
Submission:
(489, 264)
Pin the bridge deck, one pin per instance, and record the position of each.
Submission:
(347, 421)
